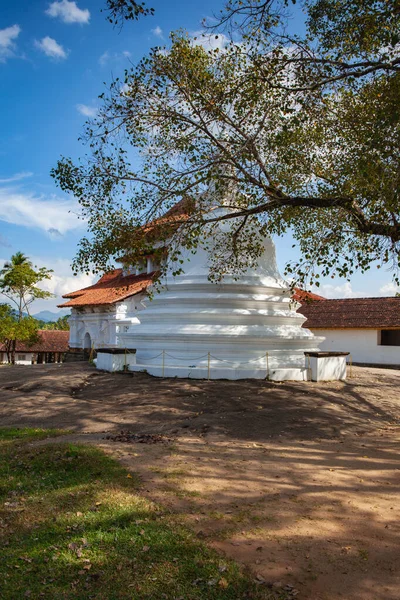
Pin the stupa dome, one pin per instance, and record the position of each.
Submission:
(244, 326)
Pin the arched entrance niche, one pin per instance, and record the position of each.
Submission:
(87, 343)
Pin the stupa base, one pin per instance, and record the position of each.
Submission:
(277, 374)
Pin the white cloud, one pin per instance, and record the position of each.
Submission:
(87, 111)
(55, 216)
(209, 41)
(158, 32)
(116, 57)
(17, 177)
(389, 289)
(338, 291)
(7, 45)
(346, 291)
(104, 58)
(51, 48)
(68, 12)
(125, 89)
(62, 281)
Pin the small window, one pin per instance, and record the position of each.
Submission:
(21, 356)
(390, 337)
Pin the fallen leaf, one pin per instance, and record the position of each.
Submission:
(222, 583)
(222, 569)
(73, 546)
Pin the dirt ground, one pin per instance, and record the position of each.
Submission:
(298, 481)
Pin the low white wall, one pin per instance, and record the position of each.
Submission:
(290, 374)
(328, 368)
(26, 361)
(114, 362)
(361, 343)
(19, 361)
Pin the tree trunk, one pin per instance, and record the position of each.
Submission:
(13, 347)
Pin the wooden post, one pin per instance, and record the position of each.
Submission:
(208, 366)
(351, 365)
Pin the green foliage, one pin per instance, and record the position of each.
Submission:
(18, 282)
(279, 132)
(61, 324)
(356, 28)
(14, 329)
(76, 527)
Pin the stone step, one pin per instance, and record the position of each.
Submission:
(76, 357)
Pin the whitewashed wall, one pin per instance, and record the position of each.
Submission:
(19, 361)
(362, 345)
(105, 325)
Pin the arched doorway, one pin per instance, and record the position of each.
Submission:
(87, 344)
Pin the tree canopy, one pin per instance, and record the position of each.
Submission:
(287, 132)
(13, 329)
(18, 282)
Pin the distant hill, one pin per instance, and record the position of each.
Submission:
(50, 317)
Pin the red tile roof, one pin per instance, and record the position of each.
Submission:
(303, 296)
(352, 313)
(111, 288)
(50, 341)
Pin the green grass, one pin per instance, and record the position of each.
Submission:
(73, 526)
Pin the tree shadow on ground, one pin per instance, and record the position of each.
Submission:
(306, 472)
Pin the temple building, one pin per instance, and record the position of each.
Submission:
(246, 326)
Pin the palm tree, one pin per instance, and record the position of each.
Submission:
(17, 259)
(8, 275)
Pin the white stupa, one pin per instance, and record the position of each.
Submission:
(244, 328)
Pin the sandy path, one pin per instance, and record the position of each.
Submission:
(298, 481)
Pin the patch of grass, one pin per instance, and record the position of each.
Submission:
(186, 493)
(9, 434)
(72, 526)
(174, 474)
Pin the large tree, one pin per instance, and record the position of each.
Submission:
(13, 329)
(287, 132)
(19, 282)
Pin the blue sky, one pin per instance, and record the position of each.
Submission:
(54, 58)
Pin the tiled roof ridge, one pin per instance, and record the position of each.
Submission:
(103, 279)
(370, 312)
(362, 298)
(51, 340)
(110, 290)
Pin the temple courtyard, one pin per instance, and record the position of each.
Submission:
(297, 481)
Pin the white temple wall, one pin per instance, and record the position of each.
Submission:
(105, 326)
(363, 345)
